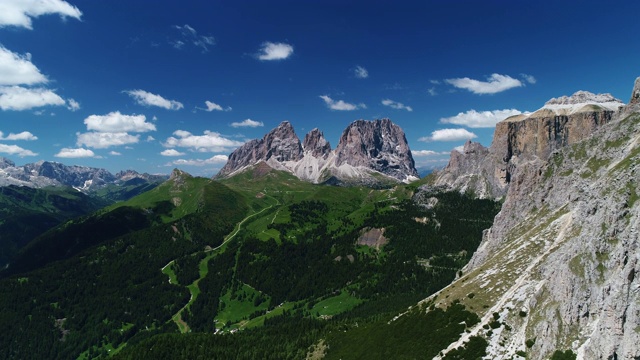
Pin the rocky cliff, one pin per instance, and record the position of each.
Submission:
(522, 138)
(369, 152)
(558, 270)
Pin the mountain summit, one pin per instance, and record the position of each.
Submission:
(369, 152)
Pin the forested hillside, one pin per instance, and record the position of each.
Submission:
(270, 264)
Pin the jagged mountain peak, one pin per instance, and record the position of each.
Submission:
(366, 148)
(316, 144)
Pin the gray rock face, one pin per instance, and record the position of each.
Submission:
(6, 163)
(561, 262)
(562, 121)
(315, 144)
(367, 152)
(635, 94)
(280, 144)
(379, 145)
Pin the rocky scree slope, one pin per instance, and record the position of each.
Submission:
(369, 152)
(560, 267)
(562, 121)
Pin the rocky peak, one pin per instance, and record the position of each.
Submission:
(583, 97)
(279, 145)
(635, 94)
(315, 144)
(282, 143)
(6, 163)
(379, 145)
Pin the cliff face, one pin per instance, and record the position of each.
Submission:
(518, 139)
(559, 267)
(369, 152)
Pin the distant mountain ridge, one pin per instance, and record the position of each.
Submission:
(83, 178)
(369, 152)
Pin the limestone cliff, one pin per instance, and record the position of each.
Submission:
(558, 270)
(522, 138)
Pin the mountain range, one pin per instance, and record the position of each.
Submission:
(527, 249)
(368, 153)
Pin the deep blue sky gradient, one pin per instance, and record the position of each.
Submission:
(407, 47)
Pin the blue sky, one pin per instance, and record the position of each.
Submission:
(156, 85)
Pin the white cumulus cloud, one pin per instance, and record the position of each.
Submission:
(480, 119)
(115, 122)
(102, 140)
(396, 105)
(529, 78)
(274, 51)
(171, 152)
(449, 135)
(209, 142)
(340, 104)
(20, 12)
(495, 83)
(214, 160)
(146, 98)
(73, 105)
(16, 150)
(211, 106)
(114, 153)
(74, 153)
(21, 98)
(420, 153)
(25, 135)
(16, 69)
(247, 123)
(360, 72)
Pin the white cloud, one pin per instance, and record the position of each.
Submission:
(19, 12)
(20, 98)
(480, 119)
(360, 72)
(421, 153)
(190, 35)
(459, 149)
(115, 122)
(433, 91)
(396, 105)
(211, 106)
(496, 83)
(171, 152)
(449, 135)
(275, 51)
(247, 123)
(102, 140)
(16, 150)
(150, 138)
(74, 153)
(114, 153)
(214, 160)
(529, 78)
(16, 69)
(25, 135)
(435, 82)
(209, 142)
(146, 98)
(340, 104)
(73, 105)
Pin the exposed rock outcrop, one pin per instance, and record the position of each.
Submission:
(518, 139)
(559, 267)
(369, 152)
